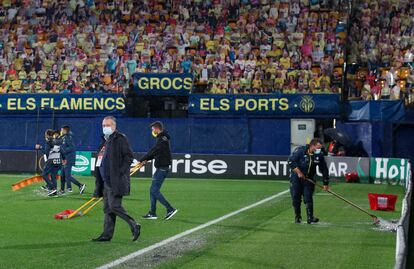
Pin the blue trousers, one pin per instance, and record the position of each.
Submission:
(301, 188)
(155, 193)
(66, 177)
(52, 171)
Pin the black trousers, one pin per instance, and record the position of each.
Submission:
(113, 208)
(301, 188)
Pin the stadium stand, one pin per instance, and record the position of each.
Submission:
(381, 50)
(230, 46)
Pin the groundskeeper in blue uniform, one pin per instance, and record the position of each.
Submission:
(47, 149)
(68, 151)
(303, 163)
(53, 161)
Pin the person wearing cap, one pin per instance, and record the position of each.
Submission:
(68, 151)
(161, 153)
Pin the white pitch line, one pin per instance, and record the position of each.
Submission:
(187, 232)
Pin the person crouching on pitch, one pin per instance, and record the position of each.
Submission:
(53, 161)
(303, 163)
(161, 152)
(113, 180)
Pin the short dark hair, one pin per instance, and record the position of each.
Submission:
(157, 124)
(66, 127)
(49, 132)
(315, 141)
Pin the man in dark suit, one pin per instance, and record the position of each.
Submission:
(112, 179)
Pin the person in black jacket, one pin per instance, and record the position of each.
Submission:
(112, 178)
(161, 152)
(303, 163)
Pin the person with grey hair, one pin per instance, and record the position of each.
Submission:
(112, 170)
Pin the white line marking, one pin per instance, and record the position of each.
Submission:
(185, 233)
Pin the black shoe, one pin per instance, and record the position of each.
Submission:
(101, 239)
(45, 188)
(52, 193)
(171, 214)
(136, 232)
(82, 188)
(309, 211)
(298, 219)
(312, 220)
(150, 216)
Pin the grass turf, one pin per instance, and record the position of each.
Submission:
(263, 237)
(31, 237)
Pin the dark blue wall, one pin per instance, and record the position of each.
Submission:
(381, 139)
(358, 131)
(404, 141)
(189, 135)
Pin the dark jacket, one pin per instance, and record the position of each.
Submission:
(54, 157)
(307, 163)
(120, 159)
(161, 151)
(68, 149)
(47, 147)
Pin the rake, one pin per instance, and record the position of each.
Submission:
(381, 223)
(95, 200)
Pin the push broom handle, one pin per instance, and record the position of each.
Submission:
(133, 171)
(343, 199)
(136, 168)
(92, 206)
(81, 207)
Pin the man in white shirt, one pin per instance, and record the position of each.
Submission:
(408, 56)
(395, 92)
(385, 91)
(390, 77)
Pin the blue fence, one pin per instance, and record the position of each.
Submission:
(192, 135)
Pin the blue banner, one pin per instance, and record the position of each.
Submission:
(163, 84)
(381, 110)
(62, 103)
(282, 105)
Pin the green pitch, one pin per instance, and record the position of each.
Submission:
(262, 237)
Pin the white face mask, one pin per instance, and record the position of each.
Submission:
(318, 151)
(107, 130)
